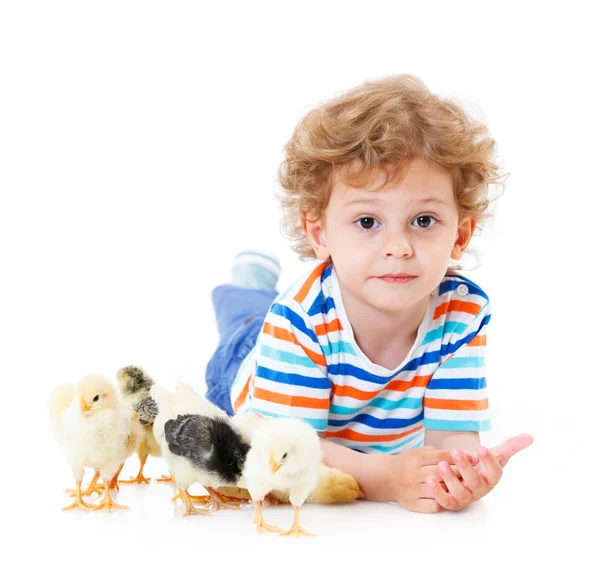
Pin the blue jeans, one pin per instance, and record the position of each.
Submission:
(240, 313)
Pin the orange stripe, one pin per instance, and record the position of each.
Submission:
(324, 328)
(456, 404)
(358, 437)
(242, 397)
(316, 273)
(462, 306)
(291, 400)
(397, 385)
(478, 341)
(285, 335)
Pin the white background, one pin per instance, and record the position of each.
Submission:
(139, 144)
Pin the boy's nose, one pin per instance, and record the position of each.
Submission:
(398, 245)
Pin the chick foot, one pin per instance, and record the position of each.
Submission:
(90, 489)
(107, 502)
(166, 479)
(140, 478)
(296, 528)
(219, 501)
(260, 523)
(190, 508)
(79, 502)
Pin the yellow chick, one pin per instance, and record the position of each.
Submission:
(134, 384)
(333, 485)
(285, 455)
(94, 428)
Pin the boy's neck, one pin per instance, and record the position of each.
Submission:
(384, 337)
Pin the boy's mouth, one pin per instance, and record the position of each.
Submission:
(400, 278)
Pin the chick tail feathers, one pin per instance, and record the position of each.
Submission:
(60, 399)
(334, 486)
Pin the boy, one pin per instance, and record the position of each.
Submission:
(381, 347)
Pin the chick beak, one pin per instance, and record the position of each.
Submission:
(84, 406)
(273, 465)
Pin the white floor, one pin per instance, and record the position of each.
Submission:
(531, 523)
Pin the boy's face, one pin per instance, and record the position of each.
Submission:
(391, 248)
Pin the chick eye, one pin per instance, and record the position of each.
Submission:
(425, 221)
(367, 223)
(284, 456)
(96, 398)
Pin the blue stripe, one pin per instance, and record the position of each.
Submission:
(336, 347)
(319, 425)
(286, 356)
(296, 321)
(462, 362)
(445, 329)
(326, 273)
(321, 305)
(293, 378)
(457, 383)
(412, 403)
(457, 426)
(372, 422)
(453, 347)
(418, 436)
(450, 285)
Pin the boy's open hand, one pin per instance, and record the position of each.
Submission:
(473, 482)
(408, 473)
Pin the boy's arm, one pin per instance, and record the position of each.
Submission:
(468, 442)
(371, 471)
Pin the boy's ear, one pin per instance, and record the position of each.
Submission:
(465, 233)
(313, 228)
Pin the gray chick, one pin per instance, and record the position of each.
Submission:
(135, 385)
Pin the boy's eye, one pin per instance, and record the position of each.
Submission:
(425, 221)
(367, 223)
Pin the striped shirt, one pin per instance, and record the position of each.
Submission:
(306, 364)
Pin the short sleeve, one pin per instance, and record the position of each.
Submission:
(290, 374)
(456, 396)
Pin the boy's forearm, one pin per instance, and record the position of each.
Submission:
(468, 442)
(370, 471)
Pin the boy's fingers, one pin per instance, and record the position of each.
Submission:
(440, 495)
(505, 451)
(493, 467)
(455, 487)
(470, 476)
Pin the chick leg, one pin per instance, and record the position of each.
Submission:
(106, 501)
(296, 528)
(201, 499)
(91, 487)
(79, 502)
(114, 483)
(190, 508)
(140, 478)
(259, 521)
(166, 479)
(219, 501)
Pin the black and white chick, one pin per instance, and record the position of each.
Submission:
(134, 384)
(199, 444)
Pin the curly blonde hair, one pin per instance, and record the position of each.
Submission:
(377, 127)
